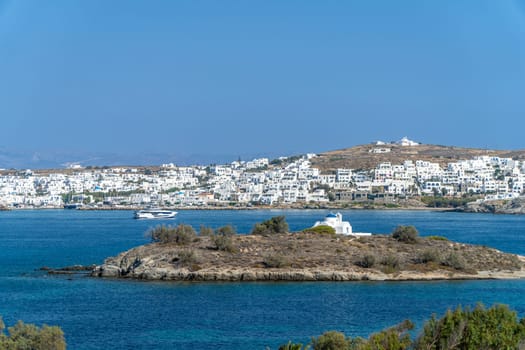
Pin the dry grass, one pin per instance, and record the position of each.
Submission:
(343, 253)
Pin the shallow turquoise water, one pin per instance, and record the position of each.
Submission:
(109, 314)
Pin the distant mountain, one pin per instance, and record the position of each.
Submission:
(358, 157)
(370, 155)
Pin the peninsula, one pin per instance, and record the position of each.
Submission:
(311, 255)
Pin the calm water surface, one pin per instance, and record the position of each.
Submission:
(108, 314)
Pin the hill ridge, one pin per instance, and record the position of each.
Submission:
(368, 156)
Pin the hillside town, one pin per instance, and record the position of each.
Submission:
(284, 181)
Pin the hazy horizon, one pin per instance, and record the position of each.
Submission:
(54, 160)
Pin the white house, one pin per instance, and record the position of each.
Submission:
(340, 226)
(406, 142)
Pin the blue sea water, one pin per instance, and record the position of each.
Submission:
(116, 314)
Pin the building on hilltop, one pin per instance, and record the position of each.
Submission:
(406, 142)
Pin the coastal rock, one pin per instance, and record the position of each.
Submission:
(106, 271)
(514, 206)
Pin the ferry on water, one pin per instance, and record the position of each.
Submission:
(155, 213)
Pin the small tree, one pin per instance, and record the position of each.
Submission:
(405, 234)
(277, 224)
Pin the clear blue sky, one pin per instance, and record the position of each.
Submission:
(272, 77)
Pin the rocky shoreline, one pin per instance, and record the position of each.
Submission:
(311, 257)
(514, 206)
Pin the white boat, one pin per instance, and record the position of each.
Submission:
(155, 213)
(340, 226)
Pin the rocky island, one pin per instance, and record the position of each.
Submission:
(270, 253)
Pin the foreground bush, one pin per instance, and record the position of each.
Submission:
(227, 230)
(275, 225)
(331, 340)
(180, 234)
(496, 328)
(30, 337)
(480, 328)
(205, 231)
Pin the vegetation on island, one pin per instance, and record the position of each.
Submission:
(494, 328)
(405, 234)
(223, 239)
(270, 252)
(24, 336)
(275, 225)
(181, 234)
(321, 230)
(440, 201)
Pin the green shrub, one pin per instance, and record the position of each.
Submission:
(187, 257)
(495, 328)
(446, 202)
(276, 261)
(390, 264)
(275, 225)
(331, 340)
(481, 328)
(28, 336)
(391, 205)
(437, 238)
(205, 231)
(405, 234)
(393, 338)
(223, 239)
(367, 261)
(181, 234)
(454, 260)
(224, 243)
(428, 255)
(321, 229)
(227, 230)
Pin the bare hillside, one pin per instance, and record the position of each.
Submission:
(370, 155)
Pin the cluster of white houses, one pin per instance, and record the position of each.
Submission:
(284, 181)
